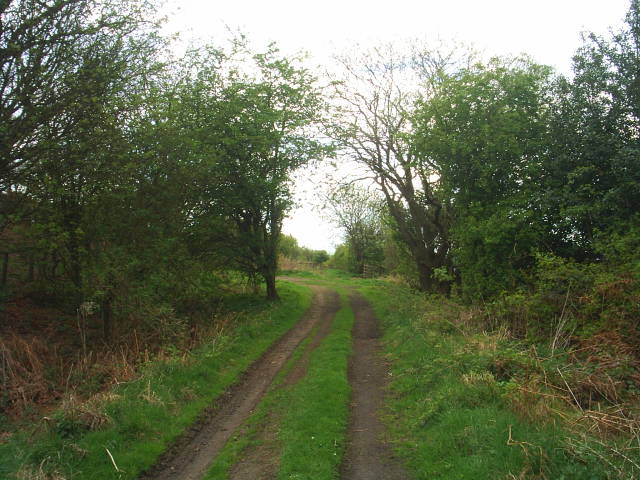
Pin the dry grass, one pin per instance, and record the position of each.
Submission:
(89, 414)
(605, 424)
(22, 370)
(148, 395)
(37, 473)
(620, 460)
(589, 401)
(481, 378)
(37, 374)
(34, 373)
(589, 387)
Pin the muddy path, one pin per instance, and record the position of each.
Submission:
(191, 455)
(261, 461)
(368, 456)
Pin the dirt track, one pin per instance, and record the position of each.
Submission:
(261, 461)
(367, 458)
(191, 455)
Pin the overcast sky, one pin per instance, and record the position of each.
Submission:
(548, 30)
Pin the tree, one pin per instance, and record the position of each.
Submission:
(44, 48)
(72, 76)
(78, 168)
(374, 104)
(288, 247)
(260, 127)
(358, 213)
(592, 176)
(484, 130)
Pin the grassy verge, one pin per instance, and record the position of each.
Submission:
(118, 434)
(470, 404)
(450, 411)
(310, 416)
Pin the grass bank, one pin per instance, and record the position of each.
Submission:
(464, 404)
(119, 433)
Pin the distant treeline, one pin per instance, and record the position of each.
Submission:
(291, 250)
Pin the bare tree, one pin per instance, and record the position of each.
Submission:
(374, 96)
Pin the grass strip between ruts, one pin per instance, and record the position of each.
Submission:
(247, 435)
(146, 415)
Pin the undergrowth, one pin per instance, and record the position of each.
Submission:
(119, 433)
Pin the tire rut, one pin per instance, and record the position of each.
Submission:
(261, 461)
(368, 456)
(191, 455)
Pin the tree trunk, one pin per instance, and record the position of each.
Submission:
(107, 318)
(272, 238)
(74, 260)
(72, 218)
(31, 275)
(5, 270)
(270, 280)
(425, 277)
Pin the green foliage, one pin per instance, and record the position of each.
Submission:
(170, 173)
(252, 136)
(342, 258)
(373, 126)
(496, 164)
(587, 296)
(591, 179)
(289, 248)
(484, 128)
(358, 213)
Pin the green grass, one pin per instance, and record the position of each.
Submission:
(146, 415)
(450, 412)
(457, 410)
(446, 413)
